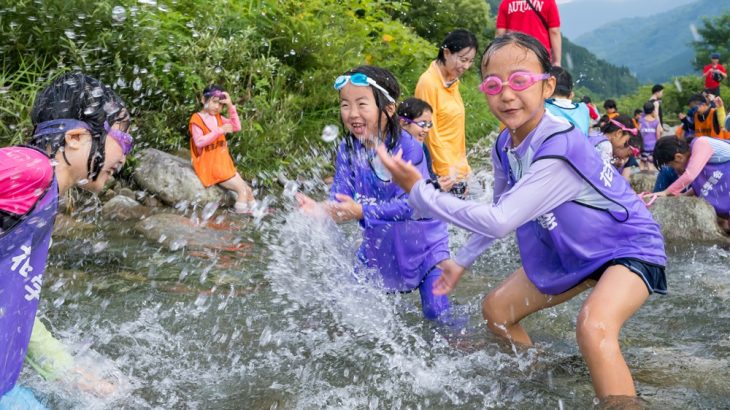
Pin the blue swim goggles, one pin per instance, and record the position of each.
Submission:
(361, 80)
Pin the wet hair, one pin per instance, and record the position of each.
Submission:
(456, 41)
(387, 80)
(413, 108)
(564, 84)
(639, 111)
(667, 147)
(79, 97)
(697, 98)
(656, 88)
(609, 104)
(609, 127)
(529, 43)
(649, 107)
(210, 90)
(586, 99)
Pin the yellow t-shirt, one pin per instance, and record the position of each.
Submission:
(447, 139)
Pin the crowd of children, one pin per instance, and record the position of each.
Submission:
(557, 184)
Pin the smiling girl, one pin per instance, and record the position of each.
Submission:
(578, 223)
(400, 248)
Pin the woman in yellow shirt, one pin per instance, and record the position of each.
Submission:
(439, 87)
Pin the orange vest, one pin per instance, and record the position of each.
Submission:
(213, 163)
(706, 128)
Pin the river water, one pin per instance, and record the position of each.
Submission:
(284, 324)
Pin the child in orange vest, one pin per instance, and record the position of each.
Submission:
(209, 149)
(709, 121)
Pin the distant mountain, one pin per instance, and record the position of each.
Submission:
(596, 75)
(590, 73)
(578, 17)
(656, 47)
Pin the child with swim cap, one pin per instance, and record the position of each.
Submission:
(79, 138)
(400, 247)
(578, 223)
(209, 148)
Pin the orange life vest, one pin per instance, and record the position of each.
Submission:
(706, 127)
(213, 163)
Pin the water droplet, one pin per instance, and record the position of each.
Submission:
(97, 92)
(290, 188)
(121, 83)
(137, 84)
(70, 34)
(208, 210)
(218, 69)
(100, 246)
(330, 133)
(695, 34)
(678, 85)
(119, 14)
(292, 52)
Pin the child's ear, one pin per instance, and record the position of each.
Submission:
(390, 109)
(548, 88)
(75, 138)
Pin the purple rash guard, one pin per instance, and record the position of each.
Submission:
(402, 248)
(551, 180)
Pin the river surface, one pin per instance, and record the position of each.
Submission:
(284, 324)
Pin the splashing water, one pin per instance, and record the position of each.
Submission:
(330, 133)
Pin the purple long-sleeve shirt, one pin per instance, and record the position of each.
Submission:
(542, 186)
(401, 247)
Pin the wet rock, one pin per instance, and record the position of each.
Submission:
(687, 219)
(643, 181)
(108, 195)
(66, 227)
(172, 180)
(126, 192)
(151, 201)
(123, 208)
(176, 232)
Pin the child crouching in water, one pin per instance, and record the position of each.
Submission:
(613, 144)
(703, 165)
(402, 249)
(209, 149)
(415, 118)
(559, 196)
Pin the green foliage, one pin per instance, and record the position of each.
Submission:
(676, 94)
(277, 58)
(715, 39)
(434, 19)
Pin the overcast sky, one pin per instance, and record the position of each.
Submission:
(581, 16)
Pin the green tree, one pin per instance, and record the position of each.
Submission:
(715, 39)
(434, 19)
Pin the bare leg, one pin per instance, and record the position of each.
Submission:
(240, 187)
(516, 298)
(617, 296)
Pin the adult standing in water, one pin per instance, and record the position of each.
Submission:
(439, 87)
(537, 18)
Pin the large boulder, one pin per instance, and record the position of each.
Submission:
(123, 208)
(643, 181)
(172, 180)
(687, 219)
(177, 232)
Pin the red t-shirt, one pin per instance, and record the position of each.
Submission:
(517, 15)
(709, 81)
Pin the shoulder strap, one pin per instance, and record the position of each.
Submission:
(544, 22)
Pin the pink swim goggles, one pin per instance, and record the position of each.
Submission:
(632, 131)
(518, 81)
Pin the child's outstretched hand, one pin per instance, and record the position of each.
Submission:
(227, 128)
(450, 275)
(404, 173)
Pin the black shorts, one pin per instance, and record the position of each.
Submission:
(652, 275)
